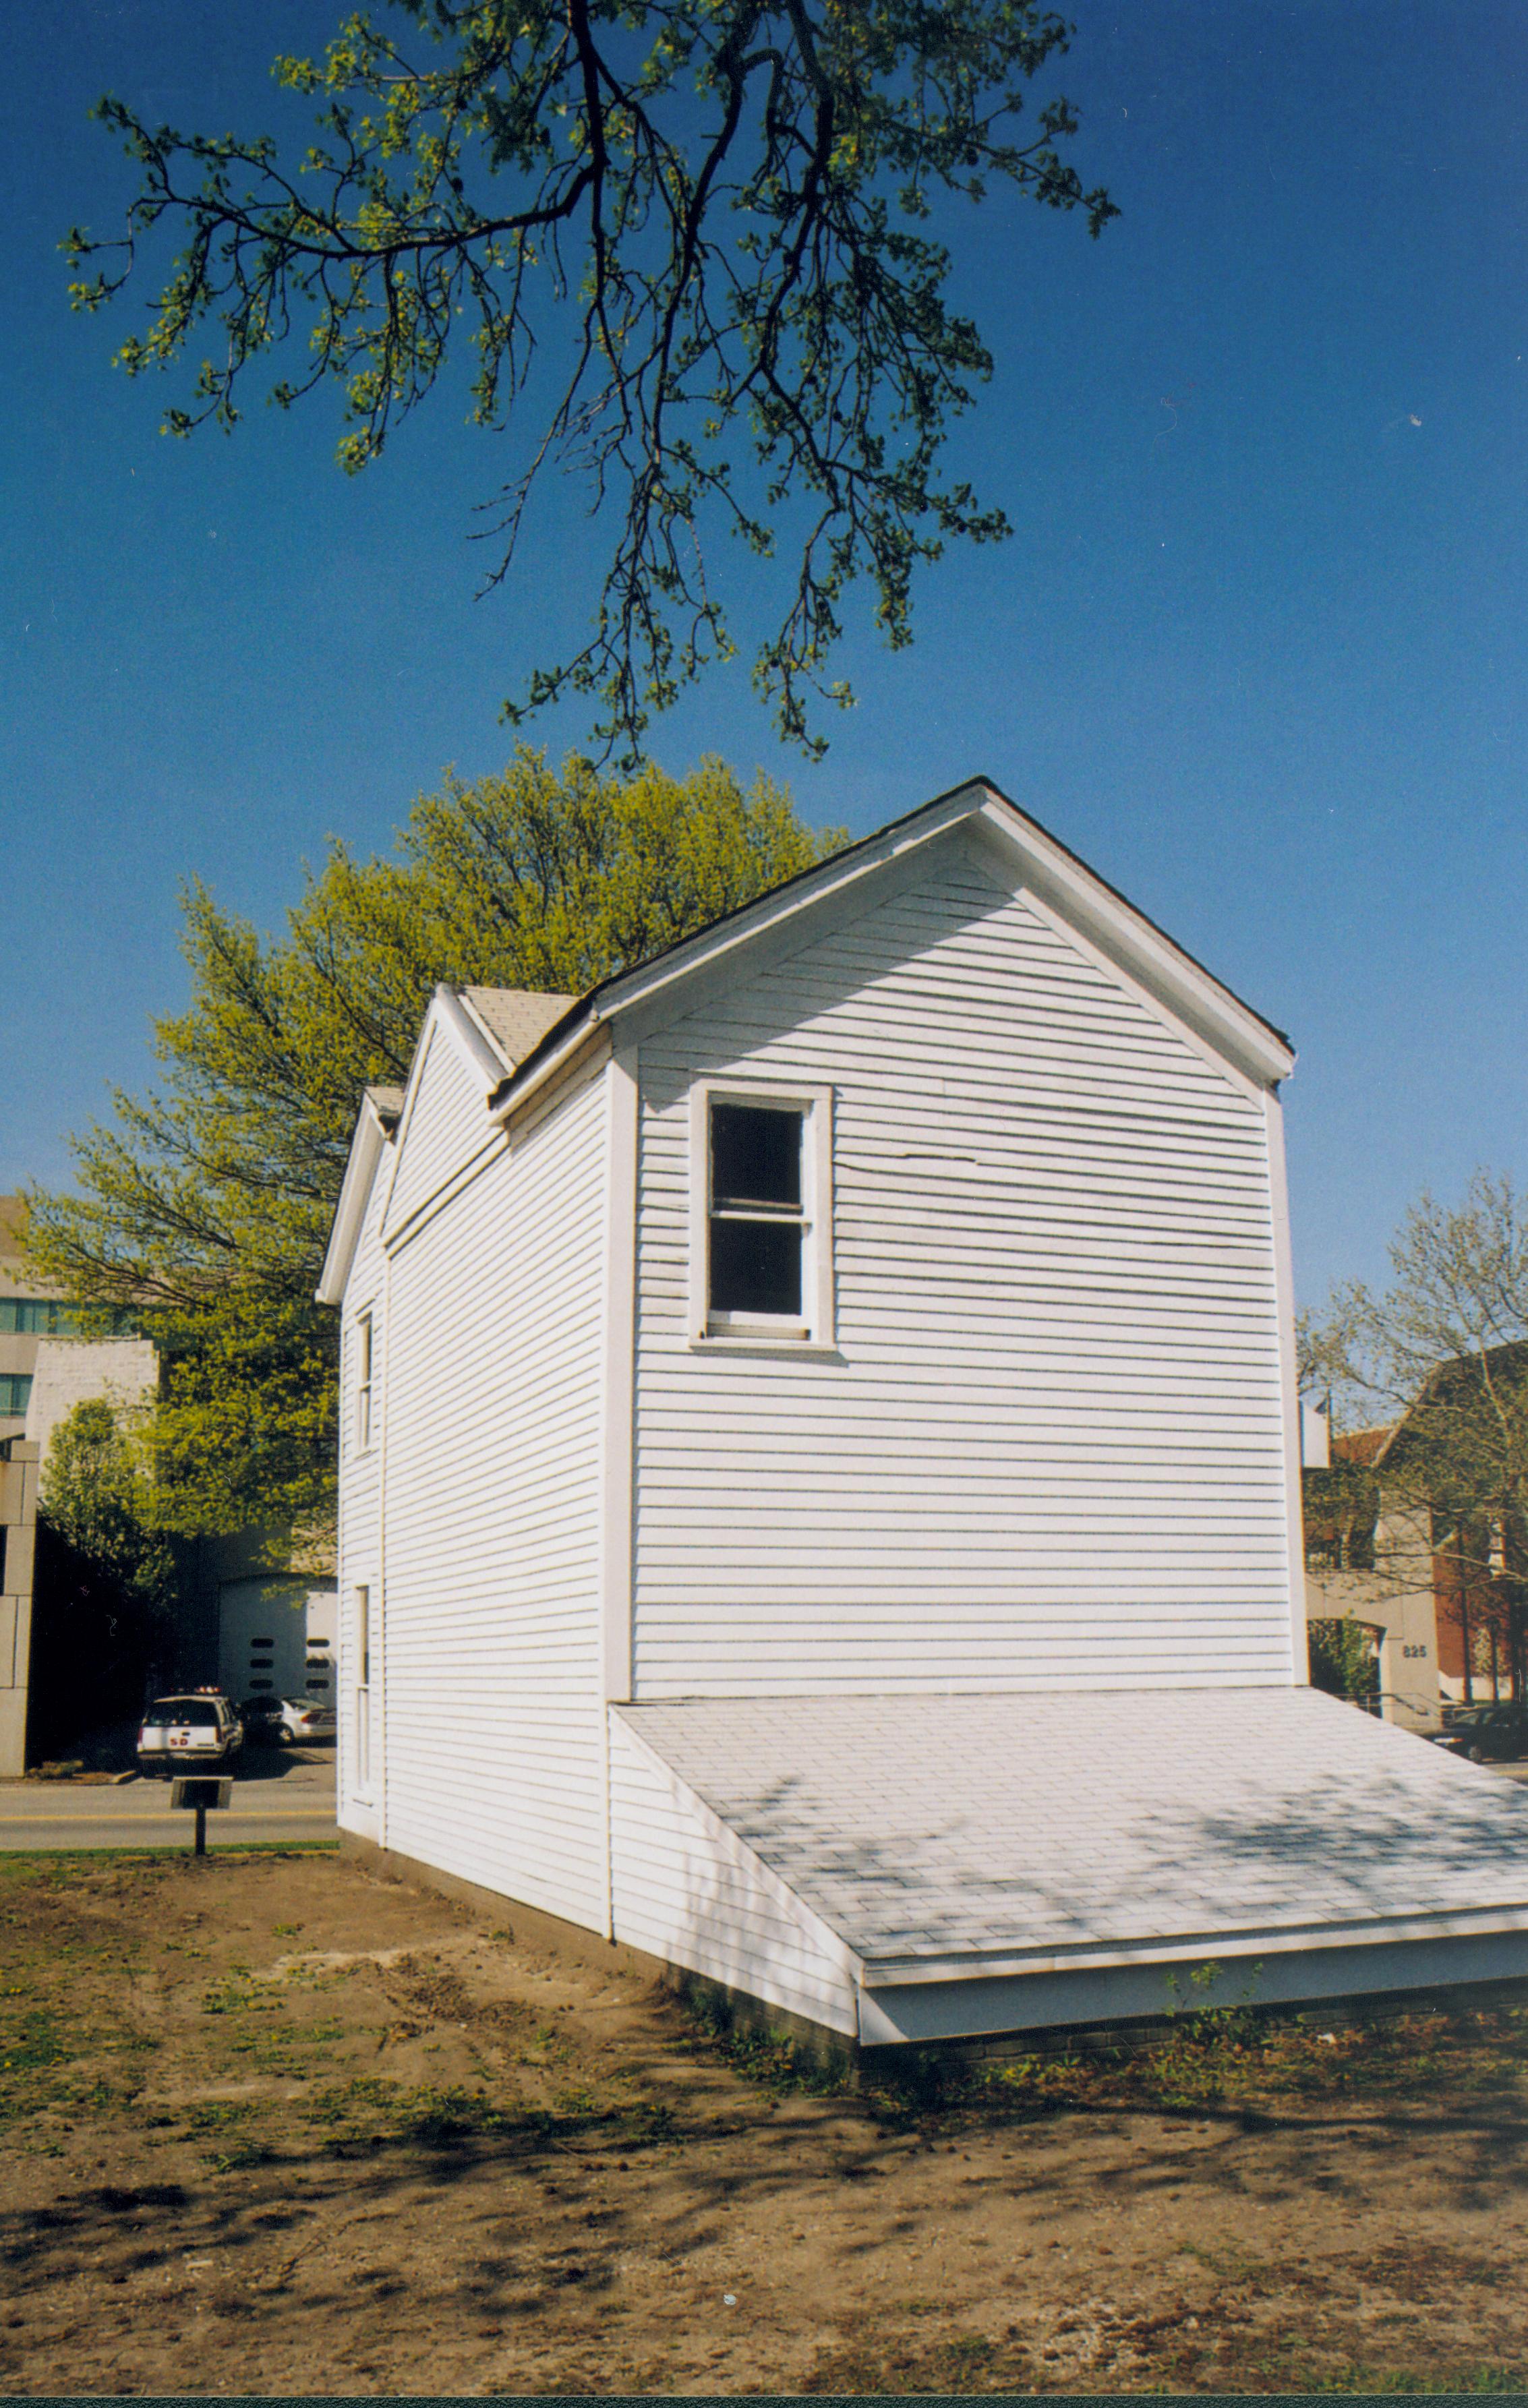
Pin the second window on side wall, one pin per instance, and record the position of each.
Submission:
(363, 1384)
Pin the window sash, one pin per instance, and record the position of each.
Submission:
(363, 1636)
(361, 1691)
(812, 1322)
(755, 1148)
(736, 1267)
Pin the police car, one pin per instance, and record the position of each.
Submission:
(197, 1731)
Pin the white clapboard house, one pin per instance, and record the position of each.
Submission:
(819, 1473)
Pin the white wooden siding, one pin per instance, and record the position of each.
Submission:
(359, 1558)
(1052, 1453)
(445, 1123)
(689, 1891)
(493, 1717)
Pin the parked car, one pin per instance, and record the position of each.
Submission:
(193, 1733)
(264, 1720)
(305, 1718)
(1482, 1732)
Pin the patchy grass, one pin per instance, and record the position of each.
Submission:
(368, 2145)
(58, 2056)
(1206, 2057)
(1386, 2380)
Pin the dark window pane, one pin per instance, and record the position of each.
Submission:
(755, 1157)
(26, 1316)
(756, 1267)
(200, 1712)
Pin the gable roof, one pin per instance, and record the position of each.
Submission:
(387, 1103)
(1096, 909)
(515, 1019)
(380, 1111)
(1448, 1388)
(517, 1038)
(493, 1028)
(1364, 1447)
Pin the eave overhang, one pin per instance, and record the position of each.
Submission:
(376, 1122)
(1259, 1050)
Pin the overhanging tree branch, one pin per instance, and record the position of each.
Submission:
(712, 215)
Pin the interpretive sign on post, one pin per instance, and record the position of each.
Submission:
(199, 1795)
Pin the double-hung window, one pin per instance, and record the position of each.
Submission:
(761, 1187)
(363, 1380)
(363, 1688)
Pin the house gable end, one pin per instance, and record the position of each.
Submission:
(1045, 1444)
(1113, 934)
(964, 857)
(1260, 1053)
(444, 1122)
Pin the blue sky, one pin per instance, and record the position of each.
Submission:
(1256, 649)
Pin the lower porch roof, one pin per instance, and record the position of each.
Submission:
(943, 1838)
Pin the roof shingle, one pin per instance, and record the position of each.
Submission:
(932, 1826)
(515, 1019)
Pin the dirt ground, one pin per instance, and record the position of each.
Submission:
(272, 2125)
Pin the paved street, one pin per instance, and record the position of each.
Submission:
(275, 1797)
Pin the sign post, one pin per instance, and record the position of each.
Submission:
(200, 1795)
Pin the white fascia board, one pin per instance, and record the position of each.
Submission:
(366, 1146)
(845, 871)
(474, 1021)
(1166, 1948)
(1127, 936)
(470, 1038)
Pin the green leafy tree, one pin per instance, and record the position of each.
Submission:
(1341, 1504)
(1344, 1658)
(206, 1208)
(92, 1495)
(688, 251)
(105, 1582)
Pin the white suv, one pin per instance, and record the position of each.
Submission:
(191, 1733)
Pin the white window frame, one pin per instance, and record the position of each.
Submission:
(366, 1384)
(813, 1331)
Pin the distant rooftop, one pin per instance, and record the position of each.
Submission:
(1363, 1446)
